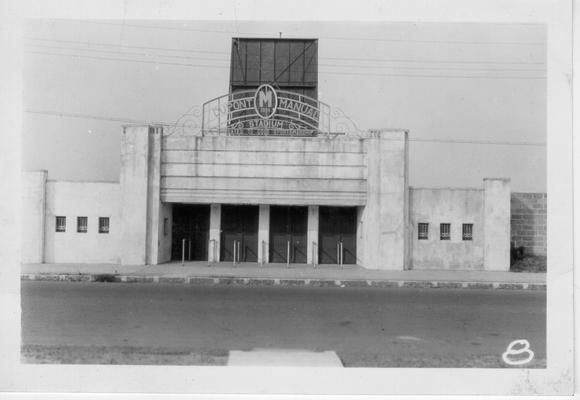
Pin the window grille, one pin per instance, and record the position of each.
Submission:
(423, 231)
(467, 231)
(60, 224)
(82, 223)
(445, 232)
(103, 224)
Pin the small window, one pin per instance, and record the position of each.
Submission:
(445, 232)
(60, 224)
(423, 231)
(82, 223)
(103, 224)
(467, 231)
(165, 224)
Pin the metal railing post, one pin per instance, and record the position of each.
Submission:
(338, 254)
(314, 255)
(341, 256)
(183, 252)
(234, 259)
(288, 255)
(189, 250)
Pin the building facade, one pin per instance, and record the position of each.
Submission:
(267, 179)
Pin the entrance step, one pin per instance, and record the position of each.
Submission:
(283, 358)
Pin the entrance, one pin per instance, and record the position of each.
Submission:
(190, 222)
(288, 234)
(239, 233)
(337, 226)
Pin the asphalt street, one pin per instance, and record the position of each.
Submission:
(398, 327)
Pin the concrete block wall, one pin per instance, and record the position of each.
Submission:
(528, 222)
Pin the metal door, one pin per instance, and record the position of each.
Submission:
(337, 235)
(190, 222)
(239, 233)
(288, 234)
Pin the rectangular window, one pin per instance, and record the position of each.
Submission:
(445, 231)
(423, 231)
(165, 223)
(103, 224)
(467, 231)
(60, 224)
(82, 223)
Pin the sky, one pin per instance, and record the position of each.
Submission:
(472, 96)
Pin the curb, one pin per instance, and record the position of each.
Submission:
(310, 282)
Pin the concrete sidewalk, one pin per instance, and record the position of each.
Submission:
(280, 274)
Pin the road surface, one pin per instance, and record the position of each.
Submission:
(188, 324)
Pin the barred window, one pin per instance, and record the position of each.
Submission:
(445, 231)
(82, 223)
(103, 224)
(467, 231)
(423, 231)
(60, 224)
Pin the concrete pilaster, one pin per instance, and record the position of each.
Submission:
(140, 204)
(154, 255)
(215, 218)
(382, 224)
(496, 225)
(33, 216)
(312, 235)
(264, 234)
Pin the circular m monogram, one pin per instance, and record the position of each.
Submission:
(265, 101)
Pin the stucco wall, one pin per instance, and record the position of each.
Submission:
(82, 199)
(528, 222)
(454, 206)
(264, 170)
(33, 218)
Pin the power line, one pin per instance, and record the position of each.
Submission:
(423, 61)
(465, 141)
(95, 117)
(323, 72)
(321, 65)
(126, 46)
(130, 25)
(129, 120)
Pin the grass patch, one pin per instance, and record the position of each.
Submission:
(105, 278)
(530, 264)
(120, 355)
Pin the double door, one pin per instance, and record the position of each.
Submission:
(288, 234)
(239, 233)
(337, 235)
(190, 232)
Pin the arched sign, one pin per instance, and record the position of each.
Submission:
(265, 111)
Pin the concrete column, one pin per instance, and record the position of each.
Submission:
(154, 254)
(382, 224)
(264, 234)
(312, 235)
(33, 216)
(215, 222)
(496, 224)
(139, 184)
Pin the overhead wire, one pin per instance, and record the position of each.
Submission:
(325, 72)
(140, 26)
(321, 58)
